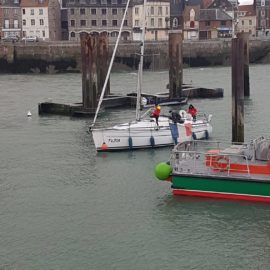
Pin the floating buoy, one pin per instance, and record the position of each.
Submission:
(130, 143)
(152, 141)
(104, 147)
(163, 171)
(29, 114)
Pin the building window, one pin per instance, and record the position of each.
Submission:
(123, 11)
(43, 33)
(6, 11)
(207, 23)
(32, 22)
(262, 13)
(93, 2)
(16, 1)
(104, 23)
(243, 22)
(41, 22)
(167, 10)
(114, 11)
(152, 10)
(114, 2)
(32, 12)
(152, 22)
(175, 23)
(223, 23)
(23, 11)
(136, 22)
(114, 22)
(72, 34)
(24, 22)
(83, 22)
(82, 11)
(6, 23)
(40, 11)
(159, 10)
(192, 24)
(103, 2)
(125, 23)
(136, 10)
(72, 23)
(250, 22)
(72, 11)
(160, 22)
(262, 3)
(93, 11)
(16, 24)
(124, 2)
(104, 11)
(94, 23)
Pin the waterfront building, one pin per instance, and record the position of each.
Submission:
(214, 23)
(157, 20)
(176, 14)
(247, 19)
(263, 17)
(191, 18)
(41, 18)
(10, 18)
(96, 16)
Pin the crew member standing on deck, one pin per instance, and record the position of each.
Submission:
(193, 111)
(155, 114)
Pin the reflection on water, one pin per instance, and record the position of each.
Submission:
(63, 206)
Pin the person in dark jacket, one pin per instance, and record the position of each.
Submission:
(175, 117)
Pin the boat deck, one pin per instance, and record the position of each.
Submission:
(233, 163)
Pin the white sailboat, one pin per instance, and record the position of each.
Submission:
(143, 132)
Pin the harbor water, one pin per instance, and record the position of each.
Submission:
(63, 206)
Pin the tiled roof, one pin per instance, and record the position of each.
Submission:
(34, 3)
(214, 15)
(250, 10)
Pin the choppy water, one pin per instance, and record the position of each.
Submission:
(62, 206)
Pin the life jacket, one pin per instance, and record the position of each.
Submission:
(156, 112)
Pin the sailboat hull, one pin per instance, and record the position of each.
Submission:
(145, 134)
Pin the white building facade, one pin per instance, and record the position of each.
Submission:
(35, 22)
(157, 20)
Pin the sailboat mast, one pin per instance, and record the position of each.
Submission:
(140, 68)
(110, 66)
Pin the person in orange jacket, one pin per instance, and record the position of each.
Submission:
(156, 113)
(193, 111)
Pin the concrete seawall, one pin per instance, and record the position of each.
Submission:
(43, 57)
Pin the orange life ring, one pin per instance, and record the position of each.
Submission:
(221, 163)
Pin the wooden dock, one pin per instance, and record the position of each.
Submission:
(116, 101)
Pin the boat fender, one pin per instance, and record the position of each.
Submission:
(194, 136)
(130, 142)
(206, 134)
(152, 141)
(104, 146)
(221, 163)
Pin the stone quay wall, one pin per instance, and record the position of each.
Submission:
(55, 57)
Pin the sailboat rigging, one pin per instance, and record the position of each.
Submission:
(110, 65)
(143, 132)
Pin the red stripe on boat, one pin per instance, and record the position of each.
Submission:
(231, 196)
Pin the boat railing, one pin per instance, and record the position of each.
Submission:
(197, 162)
